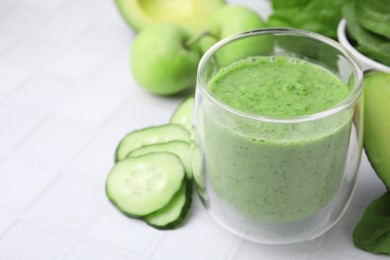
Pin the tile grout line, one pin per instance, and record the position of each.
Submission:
(80, 232)
(116, 111)
(233, 250)
(81, 235)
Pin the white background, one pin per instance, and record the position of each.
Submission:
(66, 99)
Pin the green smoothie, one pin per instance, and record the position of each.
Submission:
(276, 172)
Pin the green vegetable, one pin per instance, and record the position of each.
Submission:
(190, 15)
(313, 15)
(374, 15)
(180, 148)
(369, 43)
(372, 233)
(143, 185)
(175, 213)
(377, 122)
(148, 136)
(183, 114)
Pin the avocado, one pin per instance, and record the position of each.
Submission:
(377, 123)
(192, 15)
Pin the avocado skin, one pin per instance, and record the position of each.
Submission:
(377, 123)
(134, 16)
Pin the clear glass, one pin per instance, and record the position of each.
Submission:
(274, 188)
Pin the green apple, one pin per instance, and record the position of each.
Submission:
(192, 15)
(377, 122)
(160, 60)
(233, 19)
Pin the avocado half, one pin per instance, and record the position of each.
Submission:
(192, 15)
(377, 122)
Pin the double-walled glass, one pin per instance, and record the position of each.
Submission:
(273, 180)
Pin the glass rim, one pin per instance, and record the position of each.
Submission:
(348, 102)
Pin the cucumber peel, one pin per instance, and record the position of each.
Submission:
(150, 135)
(183, 114)
(180, 148)
(142, 185)
(175, 213)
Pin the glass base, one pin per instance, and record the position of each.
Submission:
(276, 233)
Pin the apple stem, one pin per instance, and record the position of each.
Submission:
(197, 38)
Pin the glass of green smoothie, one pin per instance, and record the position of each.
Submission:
(278, 133)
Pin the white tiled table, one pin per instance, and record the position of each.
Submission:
(66, 98)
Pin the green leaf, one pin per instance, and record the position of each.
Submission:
(372, 233)
(313, 15)
(374, 15)
(368, 43)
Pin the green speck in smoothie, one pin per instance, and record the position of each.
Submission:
(278, 87)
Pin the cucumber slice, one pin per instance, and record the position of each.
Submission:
(175, 213)
(180, 148)
(150, 135)
(183, 114)
(142, 185)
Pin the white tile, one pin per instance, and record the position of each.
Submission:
(22, 19)
(20, 180)
(116, 73)
(52, 4)
(113, 228)
(5, 4)
(6, 40)
(10, 79)
(326, 254)
(42, 94)
(249, 250)
(54, 142)
(206, 239)
(74, 19)
(5, 219)
(14, 126)
(85, 250)
(98, 156)
(27, 241)
(106, 37)
(137, 114)
(30, 54)
(92, 105)
(76, 62)
(69, 201)
(115, 17)
(339, 238)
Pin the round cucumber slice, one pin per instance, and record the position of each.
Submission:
(142, 185)
(180, 148)
(174, 214)
(150, 135)
(183, 114)
(192, 15)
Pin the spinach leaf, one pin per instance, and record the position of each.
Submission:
(374, 15)
(368, 43)
(313, 15)
(372, 233)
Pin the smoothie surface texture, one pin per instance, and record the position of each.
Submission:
(280, 87)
